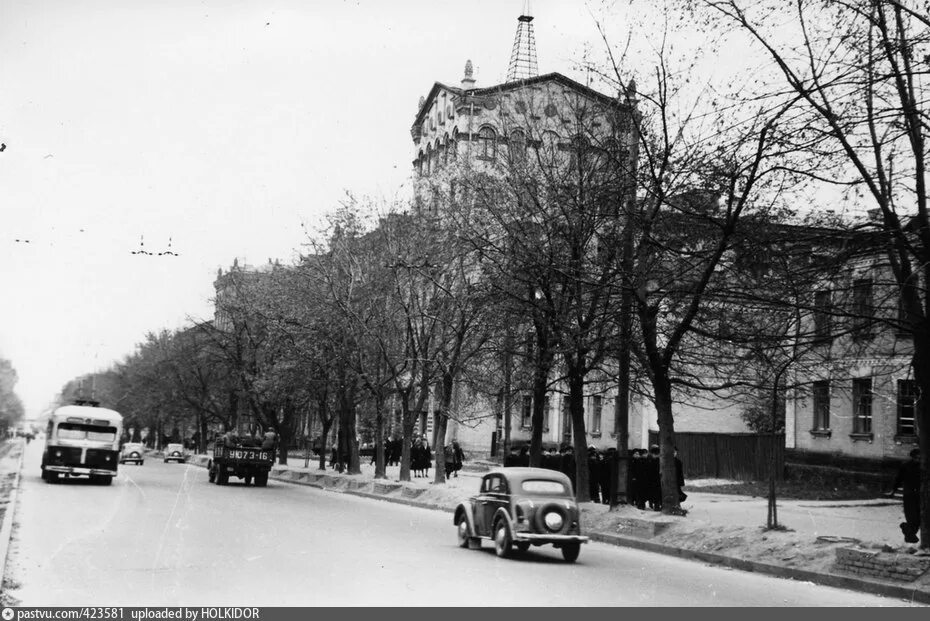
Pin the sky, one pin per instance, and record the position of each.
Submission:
(215, 130)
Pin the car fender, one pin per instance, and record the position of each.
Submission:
(503, 513)
(466, 511)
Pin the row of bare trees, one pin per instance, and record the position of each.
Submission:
(662, 251)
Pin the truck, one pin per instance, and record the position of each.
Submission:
(249, 463)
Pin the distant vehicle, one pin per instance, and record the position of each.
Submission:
(250, 463)
(522, 507)
(82, 440)
(134, 452)
(175, 452)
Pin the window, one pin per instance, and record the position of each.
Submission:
(539, 486)
(596, 410)
(821, 406)
(862, 405)
(487, 143)
(822, 320)
(526, 413)
(79, 431)
(862, 308)
(907, 407)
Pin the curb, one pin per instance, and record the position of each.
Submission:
(779, 571)
(6, 530)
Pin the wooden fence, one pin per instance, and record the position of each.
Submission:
(736, 456)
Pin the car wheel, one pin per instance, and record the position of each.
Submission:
(502, 541)
(261, 479)
(462, 532)
(222, 477)
(570, 551)
(522, 546)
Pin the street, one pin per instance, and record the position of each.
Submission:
(162, 535)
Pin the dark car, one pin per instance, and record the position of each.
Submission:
(520, 507)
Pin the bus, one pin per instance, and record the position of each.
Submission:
(82, 440)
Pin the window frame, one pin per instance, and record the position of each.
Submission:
(862, 400)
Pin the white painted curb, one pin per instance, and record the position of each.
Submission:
(6, 530)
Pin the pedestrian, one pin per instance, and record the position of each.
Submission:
(653, 479)
(448, 459)
(608, 467)
(594, 473)
(427, 454)
(416, 457)
(458, 458)
(908, 480)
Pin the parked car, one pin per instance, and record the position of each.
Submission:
(132, 451)
(175, 452)
(521, 507)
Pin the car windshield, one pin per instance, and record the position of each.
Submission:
(79, 431)
(132, 447)
(543, 486)
(174, 447)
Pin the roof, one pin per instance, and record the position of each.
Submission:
(510, 86)
(87, 412)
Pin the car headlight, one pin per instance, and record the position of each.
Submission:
(553, 521)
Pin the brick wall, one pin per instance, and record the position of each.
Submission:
(877, 564)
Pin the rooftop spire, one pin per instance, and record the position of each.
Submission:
(523, 56)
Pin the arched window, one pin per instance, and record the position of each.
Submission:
(517, 146)
(429, 159)
(440, 154)
(420, 161)
(487, 143)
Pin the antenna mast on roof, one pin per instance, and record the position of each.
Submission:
(523, 56)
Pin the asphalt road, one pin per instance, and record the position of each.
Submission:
(162, 535)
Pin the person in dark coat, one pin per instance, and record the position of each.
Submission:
(908, 479)
(458, 458)
(416, 458)
(653, 479)
(594, 473)
(427, 455)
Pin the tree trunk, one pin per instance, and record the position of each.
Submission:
(407, 425)
(663, 401)
(327, 423)
(772, 521)
(921, 364)
(445, 402)
(380, 471)
(540, 384)
(579, 435)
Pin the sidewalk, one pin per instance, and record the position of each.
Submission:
(719, 528)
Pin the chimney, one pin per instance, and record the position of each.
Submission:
(468, 82)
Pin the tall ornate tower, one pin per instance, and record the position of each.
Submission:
(523, 56)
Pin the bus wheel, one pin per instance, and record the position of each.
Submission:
(248, 479)
(211, 474)
(222, 477)
(261, 479)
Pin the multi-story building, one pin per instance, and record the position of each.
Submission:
(470, 130)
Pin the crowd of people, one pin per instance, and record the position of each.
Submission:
(644, 489)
